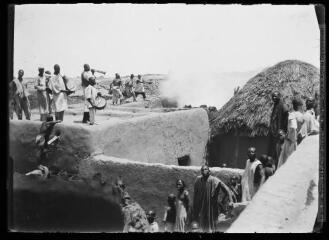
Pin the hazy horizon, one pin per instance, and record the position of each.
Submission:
(194, 44)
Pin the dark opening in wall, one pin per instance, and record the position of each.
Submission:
(184, 161)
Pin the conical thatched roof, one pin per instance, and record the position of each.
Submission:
(248, 112)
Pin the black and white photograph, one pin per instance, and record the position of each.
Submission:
(166, 118)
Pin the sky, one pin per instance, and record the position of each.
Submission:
(191, 43)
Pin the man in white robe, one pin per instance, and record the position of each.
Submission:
(253, 176)
(57, 86)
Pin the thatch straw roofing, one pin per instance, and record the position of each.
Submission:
(248, 112)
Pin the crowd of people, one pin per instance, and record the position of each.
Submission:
(53, 91)
(211, 196)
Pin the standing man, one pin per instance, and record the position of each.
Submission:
(57, 86)
(116, 87)
(139, 88)
(253, 176)
(19, 95)
(278, 126)
(129, 88)
(40, 86)
(85, 75)
(206, 199)
(48, 91)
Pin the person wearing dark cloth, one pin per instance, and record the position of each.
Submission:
(253, 176)
(235, 187)
(85, 75)
(19, 97)
(48, 91)
(267, 166)
(46, 137)
(169, 217)
(278, 123)
(206, 201)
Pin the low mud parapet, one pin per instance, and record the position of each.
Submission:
(155, 138)
(288, 201)
(149, 183)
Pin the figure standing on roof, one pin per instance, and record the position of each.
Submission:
(139, 88)
(85, 75)
(19, 96)
(58, 88)
(40, 86)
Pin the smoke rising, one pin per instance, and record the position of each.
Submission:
(200, 86)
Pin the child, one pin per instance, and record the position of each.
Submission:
(235, 187)
(153, 225)
(195, 227)
(91, 94)
(170, 214)
(267, 166)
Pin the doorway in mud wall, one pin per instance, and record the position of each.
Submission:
(184, 160)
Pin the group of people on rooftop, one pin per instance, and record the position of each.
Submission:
(53, 91)
(287, 130)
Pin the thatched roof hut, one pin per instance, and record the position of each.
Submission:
(247, 114)
(250, 109)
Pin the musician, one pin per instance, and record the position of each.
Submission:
(85, 75)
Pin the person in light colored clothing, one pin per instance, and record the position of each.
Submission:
(85, 75)
(19, 96)
(91, 94)
(311, 126)
(253, 176)
(295, 123)
(182, 206)
(153, 225)
(57, 87)
(40, 86)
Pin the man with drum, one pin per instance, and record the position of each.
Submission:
(85, 75)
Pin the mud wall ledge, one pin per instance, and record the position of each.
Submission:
(288, 201)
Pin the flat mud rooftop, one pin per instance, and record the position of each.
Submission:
(143, 145)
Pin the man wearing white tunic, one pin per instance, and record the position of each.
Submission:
(295, 123)
(40, 86)
(253, 176)
(85, 75)
(57, 86)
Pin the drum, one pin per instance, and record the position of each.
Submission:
(100, 103)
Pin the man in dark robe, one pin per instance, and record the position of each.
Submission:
(278, 126)
(206, 204)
